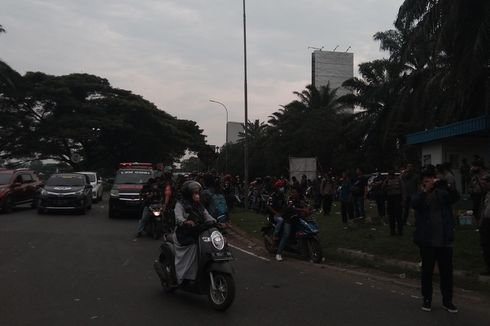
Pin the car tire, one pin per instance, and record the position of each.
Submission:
(112, 213)
(8, 205)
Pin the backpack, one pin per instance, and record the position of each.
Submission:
(218, 206)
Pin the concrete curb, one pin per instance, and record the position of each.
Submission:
(406, 265)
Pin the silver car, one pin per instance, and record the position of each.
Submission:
(96, 182)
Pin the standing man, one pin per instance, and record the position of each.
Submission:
(477, 192)
(434, 234)
(345, 197)
(411, 184)
(485, 226)
(359, 183)
(465, 175)
(327, 189)
(395, 194)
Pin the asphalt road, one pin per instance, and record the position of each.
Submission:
(63, 269)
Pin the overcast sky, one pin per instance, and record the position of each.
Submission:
(181, 53)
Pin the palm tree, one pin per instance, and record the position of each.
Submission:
(456, 34)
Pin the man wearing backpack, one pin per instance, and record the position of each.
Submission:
(214, 200)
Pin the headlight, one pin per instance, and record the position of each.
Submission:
(44, 192)
(79, 193)
(218, 240)
(114, 193)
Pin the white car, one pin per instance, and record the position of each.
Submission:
(96, 182)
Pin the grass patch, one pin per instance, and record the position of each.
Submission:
(374, 238)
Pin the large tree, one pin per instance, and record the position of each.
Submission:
(58, 116)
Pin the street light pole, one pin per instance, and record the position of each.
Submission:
(226, 136)
(245, 91)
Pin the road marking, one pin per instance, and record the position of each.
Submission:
(249, 253)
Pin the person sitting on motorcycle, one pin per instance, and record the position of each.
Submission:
(276, 204)
(168, 200)
(150, 193)
(295, 205)
(189, 214)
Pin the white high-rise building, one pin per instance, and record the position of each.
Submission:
(332, 67)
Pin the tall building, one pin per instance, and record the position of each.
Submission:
(234, 129)
(333, 67)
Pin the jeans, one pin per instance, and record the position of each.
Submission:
(444, 258)
(284, 239)
(145, 217)
(358, 202)
(279, 222)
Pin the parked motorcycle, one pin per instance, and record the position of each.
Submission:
(154, 227)
(215, 272)
(303, 238)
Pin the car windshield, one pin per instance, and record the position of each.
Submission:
(91, 177)
(66, 180)
(132, 177)
(5, 178)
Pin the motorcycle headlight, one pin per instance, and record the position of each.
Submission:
(156, 212)
(217, 240)
(114, 193)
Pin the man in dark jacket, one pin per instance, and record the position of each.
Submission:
(434, 234)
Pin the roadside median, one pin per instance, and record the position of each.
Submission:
(371, 245)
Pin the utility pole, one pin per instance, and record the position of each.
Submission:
(245, 91)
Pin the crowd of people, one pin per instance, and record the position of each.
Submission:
(430, 192)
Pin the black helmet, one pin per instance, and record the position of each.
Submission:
(190, 187)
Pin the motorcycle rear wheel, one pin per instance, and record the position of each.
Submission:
(224, 295)
(269, 243)
(314, 250)
(168, 271)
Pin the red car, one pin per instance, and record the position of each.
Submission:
(17, 187)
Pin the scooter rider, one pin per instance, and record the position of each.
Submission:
(276, 204)
(189, 213)
(168, 192)
(149, 194)
(294, 206)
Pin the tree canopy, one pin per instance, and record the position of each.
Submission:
(54, 117)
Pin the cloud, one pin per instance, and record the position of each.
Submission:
(179, 54)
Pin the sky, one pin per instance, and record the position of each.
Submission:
(179, 54)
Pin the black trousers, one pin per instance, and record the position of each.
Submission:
(346, 210)
(444, 258)
(485, 241)
(394, 210)
(381, 206)
(406, 209)
(327, 204)
(476, 198)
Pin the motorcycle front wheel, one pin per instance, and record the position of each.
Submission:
(222, 297)
(269, 242)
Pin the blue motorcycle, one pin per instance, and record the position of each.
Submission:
(303, 239)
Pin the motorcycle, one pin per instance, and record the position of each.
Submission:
(215, 272)
(154, 227)
(303, 238)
